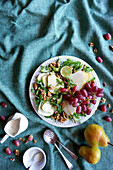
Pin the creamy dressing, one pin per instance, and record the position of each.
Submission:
(13, 127)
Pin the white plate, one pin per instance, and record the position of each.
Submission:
(68, 123)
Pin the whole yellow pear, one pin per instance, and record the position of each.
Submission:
(95, 136)
(90, 154)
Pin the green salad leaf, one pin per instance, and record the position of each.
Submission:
(44, 69)
(87, 69)
(70, 82)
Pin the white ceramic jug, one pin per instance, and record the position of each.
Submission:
(16, 124)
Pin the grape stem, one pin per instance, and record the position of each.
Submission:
(110, 144)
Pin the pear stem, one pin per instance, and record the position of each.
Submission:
(110, 144)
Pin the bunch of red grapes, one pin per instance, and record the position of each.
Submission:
(81, 99)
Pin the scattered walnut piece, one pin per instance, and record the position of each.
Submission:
(35, 86)
(65, 116)
(108, 105)
(91, 44)
(55, 107)
(103, 100)
(95, 50)
(17, 152)
(111, 110)
(111, 47)
(23, 139)
(62, 120)
(74, 70)
(58, 64)
(56, 112)
(35, 141)
(51, 88)
(20, 139)
(58, 75)
(49, 94)
(71, 67)
(57, 116)
(104, 84)
(12, 159)
(82, 112)
(26, 141)
(43, 94)
(53, 64)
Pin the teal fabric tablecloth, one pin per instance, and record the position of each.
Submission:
(32, 31)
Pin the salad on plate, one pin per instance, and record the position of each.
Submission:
(65, 90)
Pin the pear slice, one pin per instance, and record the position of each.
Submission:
(44, 79)
(80, 78)
(45, 109)
(68, 109)
(52, 82)
(41, 75)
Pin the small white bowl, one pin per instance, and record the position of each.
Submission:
(28, 158)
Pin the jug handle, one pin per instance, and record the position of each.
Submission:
(4, 138)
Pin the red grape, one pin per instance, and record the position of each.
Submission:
(78, 92)
(78, 109)
(103, 108)
(100, 95)
(64, 90)
(2, 118)
(84, 108)
(74, 89)
(8, 151)
(92, 85)
(88, 111)
(108, 36)
(86, 102)
(84, 93)
(100, 90)
(80, 97)
(93, 101)
(71, 100)
(75, 104)
(16, 142)
(89, 96)
(66, 96)
(88, 86)
(99, 59)
(75, 100)
(30, 137)
(95, 89)
(108, 119)
(3, 104)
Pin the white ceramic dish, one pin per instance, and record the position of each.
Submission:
(68, 123)
(28, 155)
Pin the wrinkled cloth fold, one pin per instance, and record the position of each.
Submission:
(32, 31)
